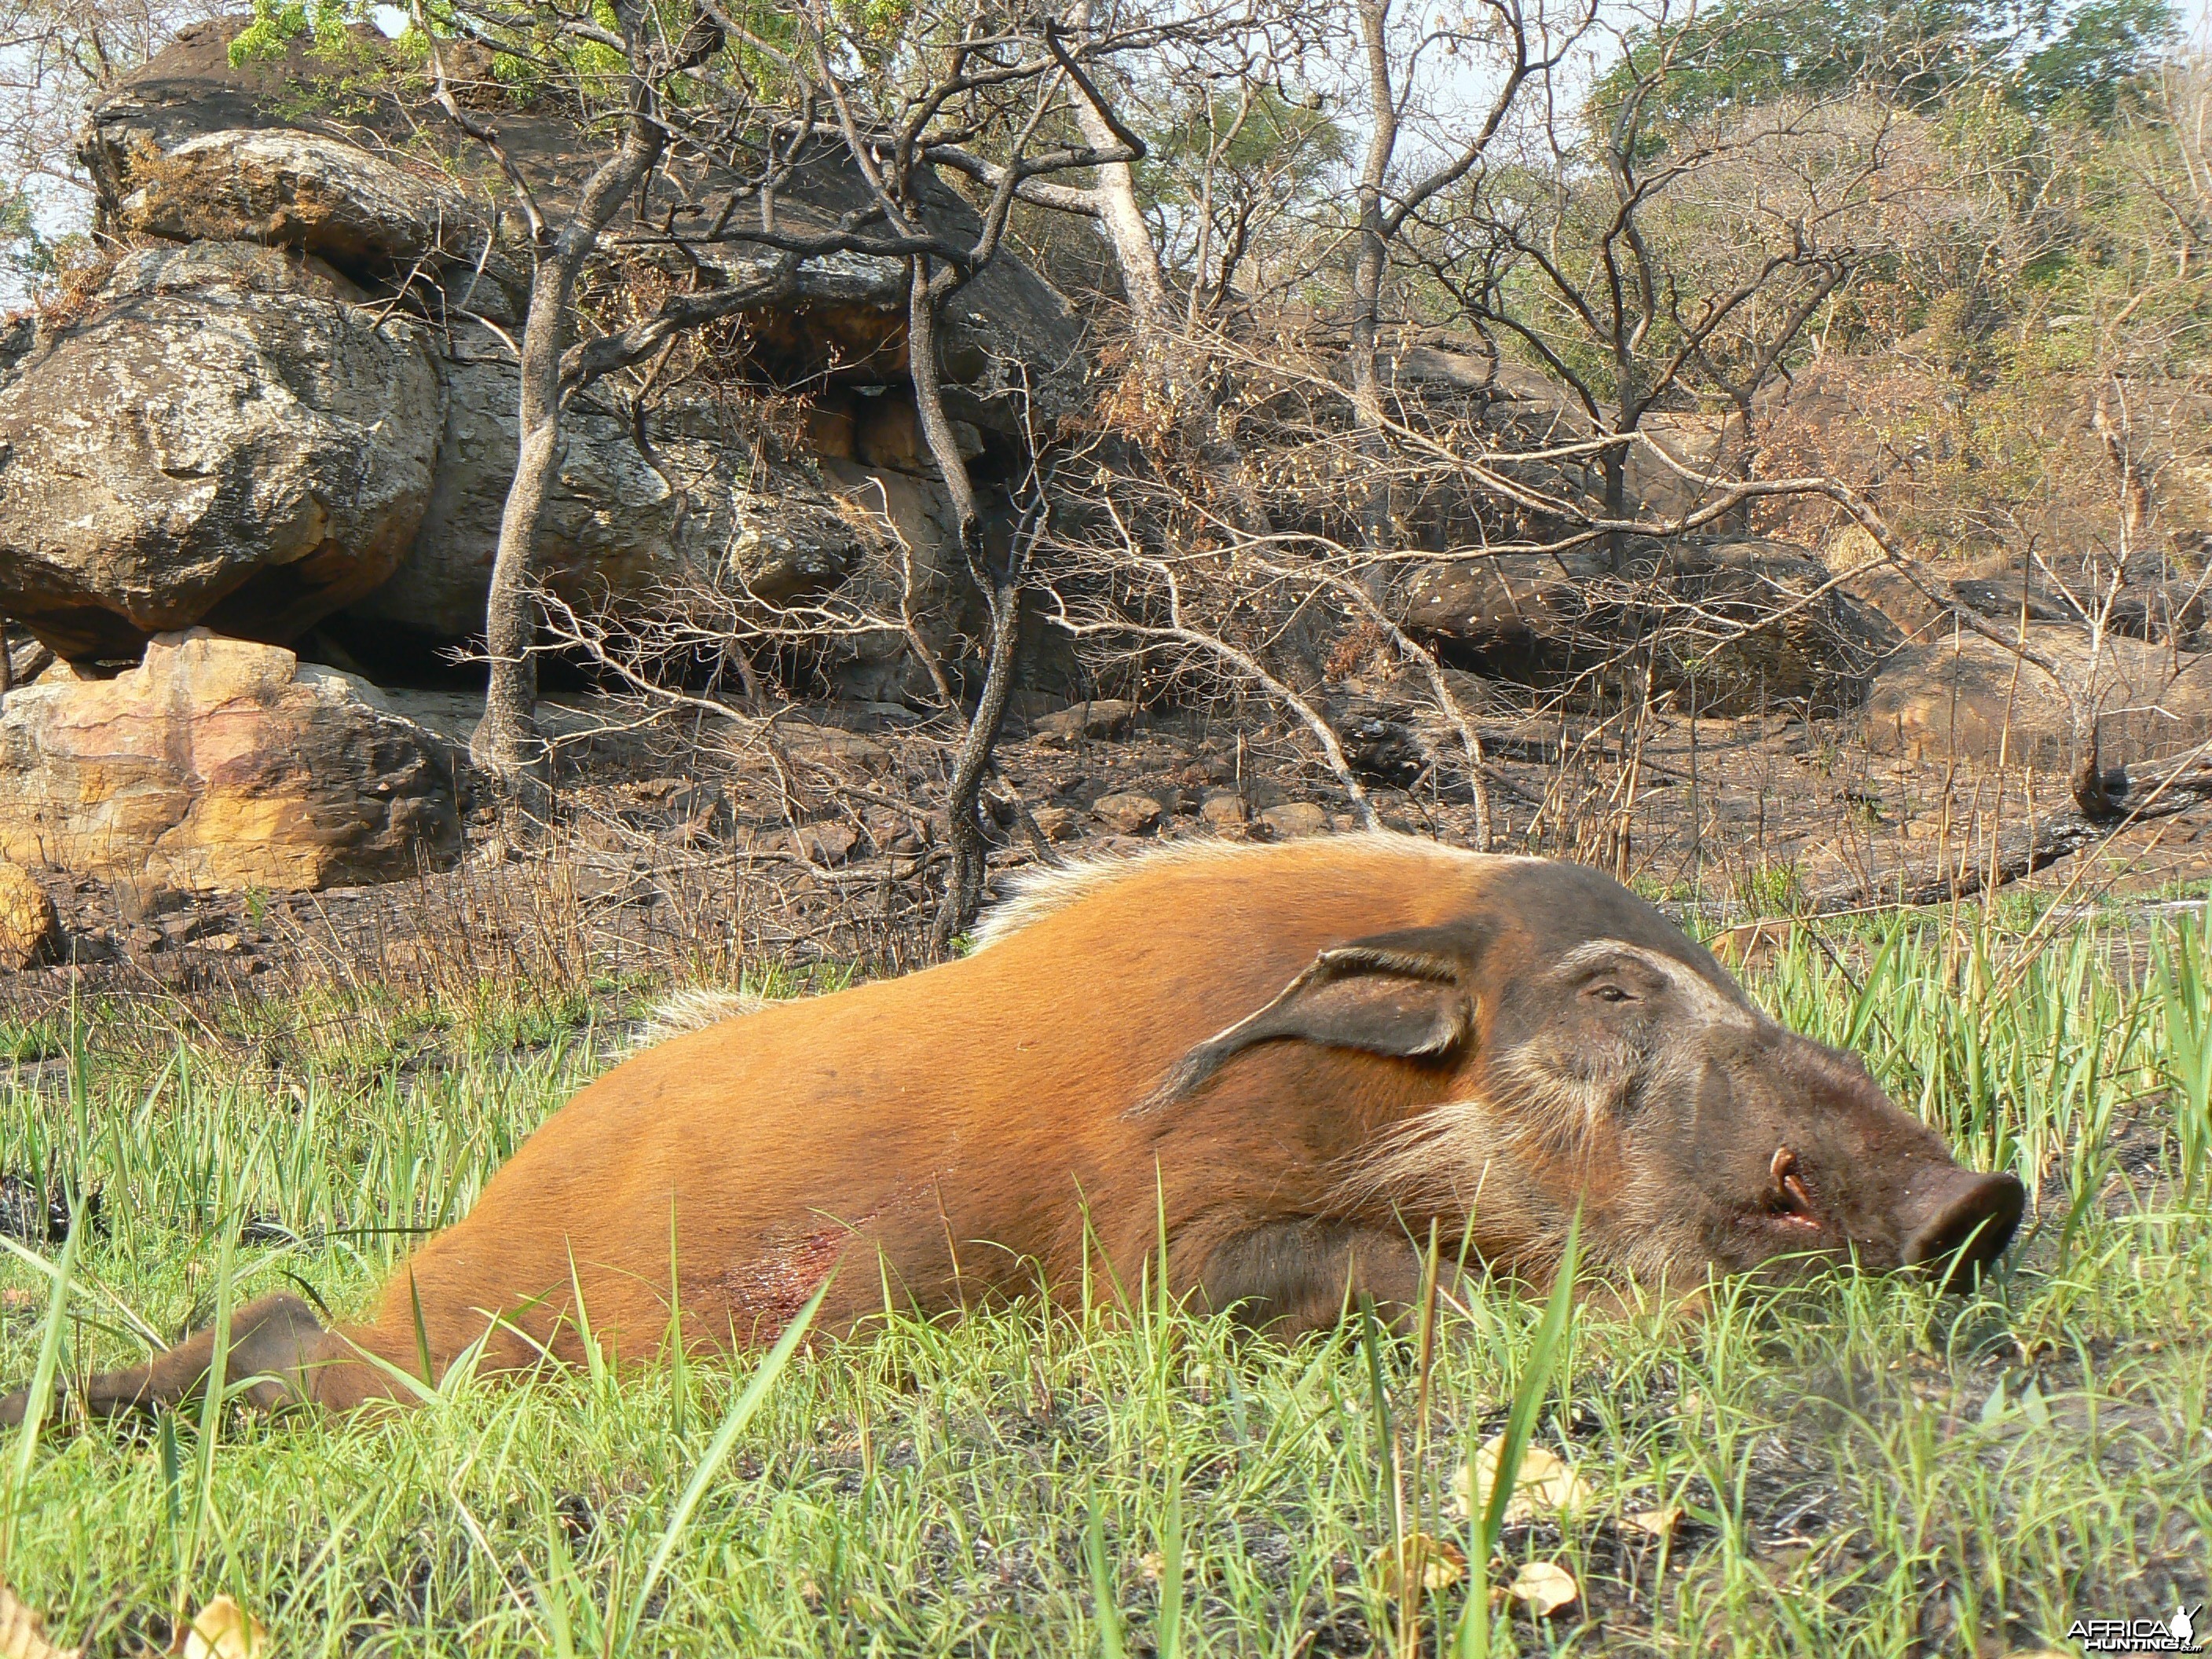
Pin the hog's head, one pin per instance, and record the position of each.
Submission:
(1594, 1056)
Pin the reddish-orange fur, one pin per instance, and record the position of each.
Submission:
(984, 1127)
(961, 1122)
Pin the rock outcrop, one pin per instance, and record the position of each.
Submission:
(1743, 625)
(1735, 625)
(302, 402)
(627, 523)
(191, 115)
(1966, 697)
(223, 436)
(1520, 616)
(220, 764)
(360, 211)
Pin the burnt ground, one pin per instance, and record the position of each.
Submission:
(682, 853)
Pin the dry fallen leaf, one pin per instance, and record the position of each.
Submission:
(1547, 1484)
(22, 1636)
(1544, 1587)
(1418, 1563)
(224, 1630)
(1151, 1564)
(1653, 1523)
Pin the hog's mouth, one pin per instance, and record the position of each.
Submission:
(1789, 1208)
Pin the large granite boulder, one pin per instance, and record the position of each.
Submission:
(1744, 625)
(1733, 626)
(387, 205)
(1527, 618)
(1963, 697)
(363, 212)
(628, 524)
(220, 764)
(222, 435)
(286, 148)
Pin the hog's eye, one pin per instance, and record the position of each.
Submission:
(1611, 993)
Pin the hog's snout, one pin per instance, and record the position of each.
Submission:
(1956, 1222)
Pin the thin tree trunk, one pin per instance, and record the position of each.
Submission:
(1171, 359)
(506, 741)
(964, 886)
(1616, 505)
(1369, 260)
(1135, 255)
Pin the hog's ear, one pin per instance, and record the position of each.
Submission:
(1402, 994)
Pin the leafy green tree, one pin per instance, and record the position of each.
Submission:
(2047, 54)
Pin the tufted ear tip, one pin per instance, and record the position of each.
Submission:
(1403, 996)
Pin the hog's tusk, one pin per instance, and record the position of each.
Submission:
(1790, 1187)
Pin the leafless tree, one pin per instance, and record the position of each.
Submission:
(57, 57)
(1651, 264)
(699, 176)
(1399, 56)
(562, 239)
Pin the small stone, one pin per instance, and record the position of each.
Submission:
(144, 901)
(825, 844)
(30, 930)
(1127, 814)
(1222, 808)
(1293, 819)
(1057, 824)
(1106, 717)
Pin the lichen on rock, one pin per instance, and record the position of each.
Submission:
(222, 764)
(222, 436)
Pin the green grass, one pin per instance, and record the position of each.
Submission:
(1864, 1467)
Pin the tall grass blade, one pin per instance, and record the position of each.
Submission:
(718, 1451)
(40, 1395)
(1489, 1518)
(1112, 1642)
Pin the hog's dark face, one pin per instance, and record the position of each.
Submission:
(1626, 1068)
(1592, 1058)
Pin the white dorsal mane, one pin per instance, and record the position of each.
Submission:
(1042, 890)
